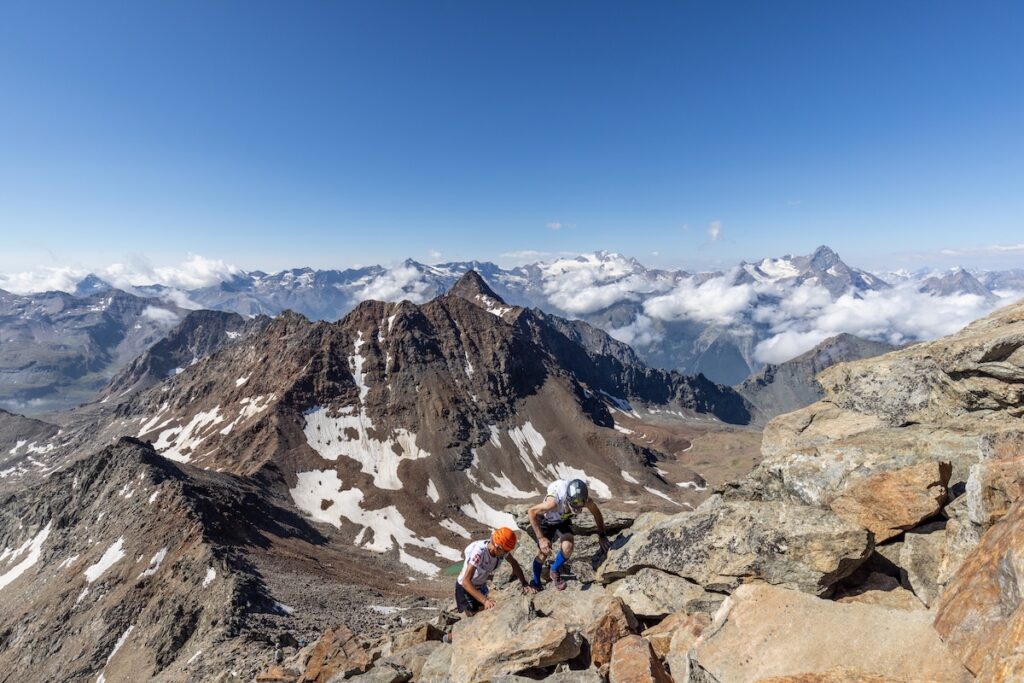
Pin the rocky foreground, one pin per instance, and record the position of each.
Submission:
(881, 540)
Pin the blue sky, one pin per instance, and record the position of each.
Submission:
(272, 134)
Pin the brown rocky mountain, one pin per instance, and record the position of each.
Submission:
(789, 386)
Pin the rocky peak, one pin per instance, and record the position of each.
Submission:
(473, 287)
(824, 258)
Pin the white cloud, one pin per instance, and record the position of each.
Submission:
(714, 230)
(196, 271)
(640, 333)
(160, 315)
(402, 282)
(714, 301)
(434, 255)
(554, 225)
(591, 282)
(898, 315)
(43, 279)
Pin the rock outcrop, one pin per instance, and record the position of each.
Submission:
(764, 631)
(724, 543)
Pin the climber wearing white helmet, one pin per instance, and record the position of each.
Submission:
(552, 520)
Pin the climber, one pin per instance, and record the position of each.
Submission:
(482, 559)
(552, 520)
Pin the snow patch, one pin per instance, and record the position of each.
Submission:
(314, 489)
(154, 564)
(111, 555)
(629, 477)
(486, 515)
(349, 436)
(211, 574)
(178, 443)
(455, 527)
(432, 493)
(596, 486)
(32, 549)
(241, 380)
(658, 493)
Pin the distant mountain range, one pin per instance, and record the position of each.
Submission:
(725, 325)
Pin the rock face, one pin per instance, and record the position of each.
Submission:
(754, 638)
(889, 503)
(723, 543)
(980, 615)
(506, 640)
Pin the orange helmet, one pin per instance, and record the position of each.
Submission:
(504, 539)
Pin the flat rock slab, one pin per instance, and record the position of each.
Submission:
(724, 543)
(981, 613)
(582, 524)
(337, 652)
(882, 590)
(889, 503)
(764, 631)
(654, 594)
(506, 640)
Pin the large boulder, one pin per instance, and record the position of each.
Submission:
(754, 638)
(633, 661)
(596, 616)
(980, 614)
(654, 594)
(508, 639)
(889, 503)
(817, 474)
(686, 636)
(724, 543)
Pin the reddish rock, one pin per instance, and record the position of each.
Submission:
(337, 652)
(889, 503)
(614, 623)
(633, 661)
(979, 615)
(660, 636)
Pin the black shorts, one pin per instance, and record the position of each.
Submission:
(553, 531)
(466, 602)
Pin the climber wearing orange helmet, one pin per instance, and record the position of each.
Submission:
(482, 558)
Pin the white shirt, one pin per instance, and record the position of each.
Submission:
(480, 561)
(559, 490)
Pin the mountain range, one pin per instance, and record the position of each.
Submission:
(725, 325)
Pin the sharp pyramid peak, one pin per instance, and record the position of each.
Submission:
(472, 286)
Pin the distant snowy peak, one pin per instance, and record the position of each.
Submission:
(956, 281)
(823, 267)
